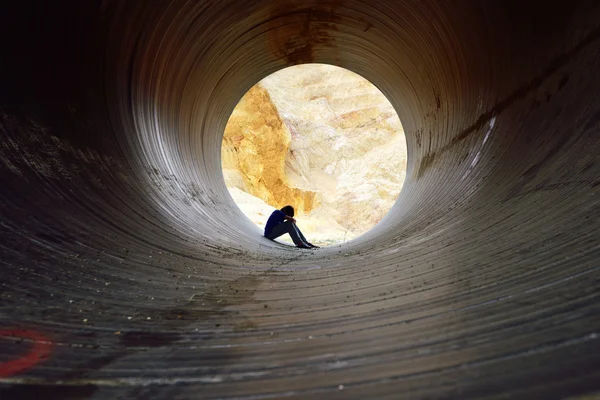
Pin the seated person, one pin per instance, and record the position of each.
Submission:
(281, 222)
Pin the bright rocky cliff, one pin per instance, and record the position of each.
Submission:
(322, 139)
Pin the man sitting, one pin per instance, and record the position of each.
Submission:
(281, 222)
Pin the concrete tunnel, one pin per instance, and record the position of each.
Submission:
(128, 272)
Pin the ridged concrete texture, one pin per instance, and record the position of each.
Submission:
(127, 271)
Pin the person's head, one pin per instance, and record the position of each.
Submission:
(288, 210)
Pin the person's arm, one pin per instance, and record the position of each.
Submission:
(287, 217)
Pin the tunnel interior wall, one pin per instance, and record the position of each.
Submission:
(129, 270)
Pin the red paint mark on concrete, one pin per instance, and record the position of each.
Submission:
(42, 347)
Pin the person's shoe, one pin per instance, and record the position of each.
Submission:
(313, 246)
(303, 246)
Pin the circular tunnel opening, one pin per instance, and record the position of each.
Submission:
(322, 139)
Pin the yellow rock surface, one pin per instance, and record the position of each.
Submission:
(256, 144)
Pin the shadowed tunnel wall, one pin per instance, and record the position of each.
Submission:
(126, 269)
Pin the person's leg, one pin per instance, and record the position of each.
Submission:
(287, 227)
(303, 238)
(300, 233)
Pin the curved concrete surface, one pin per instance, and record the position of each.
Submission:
(127, 271)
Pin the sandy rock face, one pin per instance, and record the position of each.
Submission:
(254, 152)
(322, 139)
